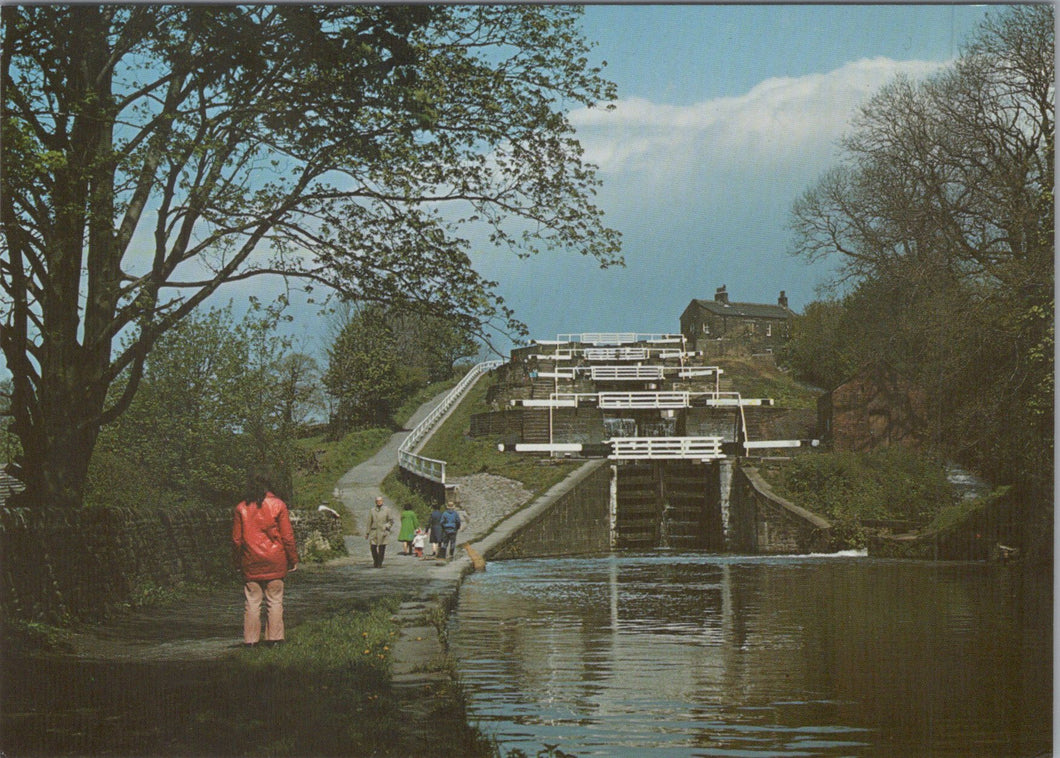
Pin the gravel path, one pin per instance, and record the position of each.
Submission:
(485, 500)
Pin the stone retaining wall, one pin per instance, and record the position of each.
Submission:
(60, 565)
(760, 521)
(573, 518)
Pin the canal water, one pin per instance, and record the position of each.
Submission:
(681, 654)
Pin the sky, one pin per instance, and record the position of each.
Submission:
(725, 115)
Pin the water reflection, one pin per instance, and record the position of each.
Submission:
(693, 655)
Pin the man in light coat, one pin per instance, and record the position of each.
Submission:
(380, 522)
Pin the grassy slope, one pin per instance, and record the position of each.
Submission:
(754, 378)
(467, 456)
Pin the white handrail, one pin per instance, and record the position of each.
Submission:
(656, 448)
(432, 468)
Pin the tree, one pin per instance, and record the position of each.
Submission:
(297, 377)
(382, 356)
(366, 374)
(941, 214)
(213, 402)
(152, 154)
(821, 349)
(432, 345)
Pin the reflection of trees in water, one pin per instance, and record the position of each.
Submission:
(776, 645)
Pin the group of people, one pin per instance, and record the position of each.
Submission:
(264, 550)
(440, 532)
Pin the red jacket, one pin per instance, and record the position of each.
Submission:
(263, 540)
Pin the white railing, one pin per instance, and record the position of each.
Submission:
(672, 399)
(689, 372)
(643, 400)
(558, 355)
(557, 400)
(625, 373)
(429, 467)
(658, 448)
(616, 338)
(615, 353)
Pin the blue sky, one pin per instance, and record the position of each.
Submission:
(725, 115)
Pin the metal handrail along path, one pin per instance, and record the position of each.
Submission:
(432, 468)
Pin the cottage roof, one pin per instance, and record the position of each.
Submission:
(744, 310)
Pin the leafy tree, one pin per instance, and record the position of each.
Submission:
(822, 349)
(213, 401)
(366, 374)
(941, 214)
(153, 153)
(298, 384)
(432, 345)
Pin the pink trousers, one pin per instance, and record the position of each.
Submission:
(272, 592)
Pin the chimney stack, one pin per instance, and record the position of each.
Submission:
(782, 301)
(720, 295)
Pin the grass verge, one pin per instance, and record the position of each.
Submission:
(848, 489)
(325, 692)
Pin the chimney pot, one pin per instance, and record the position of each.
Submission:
(720, 295)
(782, 301)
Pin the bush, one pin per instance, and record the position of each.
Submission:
(850, 488)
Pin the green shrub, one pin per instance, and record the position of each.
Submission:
(849, 488)
(322, 463)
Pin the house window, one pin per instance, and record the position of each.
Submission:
(769, 330)
(706, 328)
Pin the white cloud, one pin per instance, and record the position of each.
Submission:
(779, 122)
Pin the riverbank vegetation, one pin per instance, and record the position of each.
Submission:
(894, 488)
(940, 216)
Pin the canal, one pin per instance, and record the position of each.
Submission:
(687, 654)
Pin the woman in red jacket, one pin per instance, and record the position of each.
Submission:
(263, 548)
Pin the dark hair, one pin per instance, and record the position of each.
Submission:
(257, 486)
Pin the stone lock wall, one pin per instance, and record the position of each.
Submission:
(760, 521)
(572, 519)
(61, 565)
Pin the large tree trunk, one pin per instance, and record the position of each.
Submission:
(58, 412)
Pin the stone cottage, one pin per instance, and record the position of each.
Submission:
(721, 327)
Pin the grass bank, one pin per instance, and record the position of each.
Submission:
(325, 692)
(762, 378)
(464, 455)
(853, 490)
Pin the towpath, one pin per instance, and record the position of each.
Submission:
(209, 624)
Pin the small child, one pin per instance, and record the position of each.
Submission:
(419, 541)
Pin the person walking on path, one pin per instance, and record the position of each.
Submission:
(380, 522)
(434, 528)
(410, 522)
(450, 526)
(263, 548)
